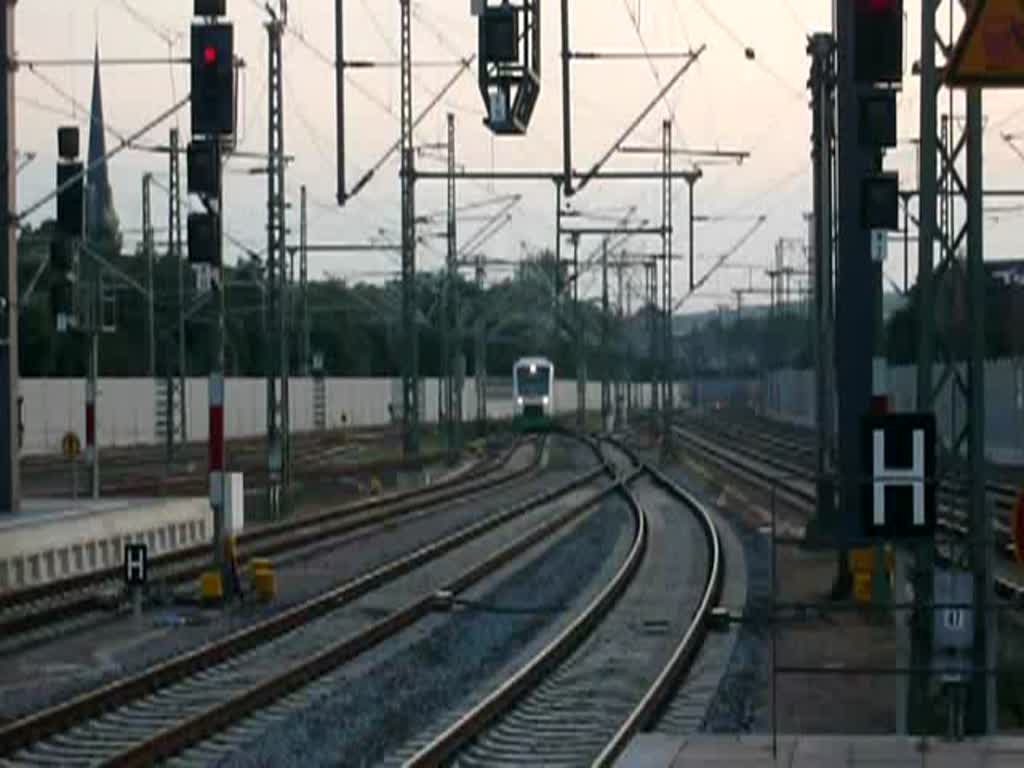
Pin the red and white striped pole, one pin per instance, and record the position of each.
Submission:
(218, 491)
(91, 449)
(90, 418)
(216, 439)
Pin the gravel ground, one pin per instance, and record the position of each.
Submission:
(807, 703)
(740, 704)
(571, 715)
(53, 672)
(450, 660)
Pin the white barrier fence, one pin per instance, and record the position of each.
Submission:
(126, 409)
(789, 395)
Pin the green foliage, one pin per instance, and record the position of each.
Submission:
(1003, 311)
(355, 326)
(729, 346)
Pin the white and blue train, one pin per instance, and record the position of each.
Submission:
(533, 390)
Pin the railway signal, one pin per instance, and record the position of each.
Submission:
(879, 201)
(213, 85)
(213, 125)
(1018, 527)
(510, 57)
(204, 242)
(878, 35)
(70, 217)
(70, 197)
(204, 176)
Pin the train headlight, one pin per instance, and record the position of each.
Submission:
(520, 401)
(546, 400)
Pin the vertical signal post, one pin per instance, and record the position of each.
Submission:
(213, 122)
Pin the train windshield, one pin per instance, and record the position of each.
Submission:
(533, 380)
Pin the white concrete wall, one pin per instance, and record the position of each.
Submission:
(64, 542)
(126, 408)
(790, 396)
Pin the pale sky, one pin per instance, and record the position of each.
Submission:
(724, 101)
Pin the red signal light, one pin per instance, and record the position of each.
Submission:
(210, 55)
(879, 6)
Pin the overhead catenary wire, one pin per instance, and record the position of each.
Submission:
(670, 113)
(425, 10)
(794, 92)
(125, 143)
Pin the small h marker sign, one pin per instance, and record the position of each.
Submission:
(136, 564)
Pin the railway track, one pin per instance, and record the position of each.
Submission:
(37, 613)
(582, 697)
(202, 700)
(147, 472)
(792, 441)
(791, 481)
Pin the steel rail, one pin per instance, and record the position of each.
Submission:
(734, 463)
(474, 722)
(1005, 494)
(554, 653)
(686, 651)
(946, 492)
(28, 594)
(218, 717)
(264, 541)
(59, 718)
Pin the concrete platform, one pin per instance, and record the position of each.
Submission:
(755, 751)
(52, 539)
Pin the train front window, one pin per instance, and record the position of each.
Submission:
(533, 381)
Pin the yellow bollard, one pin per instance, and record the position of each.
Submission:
(862, 564)
(264, 583)
(862, 586)
(211, 588)
(259, 564)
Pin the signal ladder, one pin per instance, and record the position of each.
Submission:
(169, 400)
(319, 403)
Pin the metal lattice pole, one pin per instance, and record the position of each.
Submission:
(605, 338)
(619, 351)
(480, 354)
(276, 271)
(306, 320)
(410, 335)
(147, 254)
(651, 273)
(581, 353)
(965, 446)
(450, 310)
(666, 283)
(10, 491)
(940, 166)
(854, 346)
(982, 711)
(178, 254)
(822, 48)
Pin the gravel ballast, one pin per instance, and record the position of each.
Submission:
(53, 672)
(410, 684)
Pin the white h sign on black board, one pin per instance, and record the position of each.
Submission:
(886, 476)
(898, 465)
(136, 564)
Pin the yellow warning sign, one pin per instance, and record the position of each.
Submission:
(990, 51)
(70, 446)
